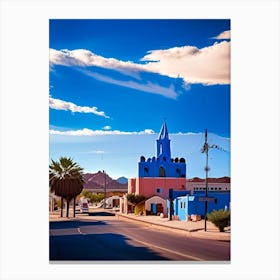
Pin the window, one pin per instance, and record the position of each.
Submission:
(161, 172)
(159, 190)
(146, 170)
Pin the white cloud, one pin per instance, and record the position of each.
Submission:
(148, 131)
(82, 57)
(58, 104)
(107, 127)
(97, 152)
(168, 92)
(209, 65)
(90, 132)
(222, 36)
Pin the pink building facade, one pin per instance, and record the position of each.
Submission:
(155, 186)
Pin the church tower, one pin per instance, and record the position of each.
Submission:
(163, 144)
(162, 165)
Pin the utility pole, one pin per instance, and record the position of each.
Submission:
(104, 189)
(170, 196)
(205, 149)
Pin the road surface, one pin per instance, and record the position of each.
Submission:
(102, 237)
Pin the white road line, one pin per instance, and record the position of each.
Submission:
(168, 250)
(79, 231)
(158, 247)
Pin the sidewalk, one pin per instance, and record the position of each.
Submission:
(189, 228)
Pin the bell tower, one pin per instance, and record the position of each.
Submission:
(163, 144)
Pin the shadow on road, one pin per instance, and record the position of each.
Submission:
(73, 224)
(101, 214)
(98, 247)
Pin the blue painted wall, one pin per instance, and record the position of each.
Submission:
(180, 193)
(188, 205)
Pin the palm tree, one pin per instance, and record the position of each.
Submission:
(66, 180)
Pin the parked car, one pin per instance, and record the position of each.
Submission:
(83, 204)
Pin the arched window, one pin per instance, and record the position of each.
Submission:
(161, 172)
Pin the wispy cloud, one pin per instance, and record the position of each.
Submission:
(149, 87)
(58, 104)
(148, 131)
(97, 152)
(209, 65)
(223, 36)
(90, 132)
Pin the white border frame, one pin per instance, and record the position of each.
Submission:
(254, 130)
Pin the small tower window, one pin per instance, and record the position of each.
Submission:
(146, 170)
(161, 172)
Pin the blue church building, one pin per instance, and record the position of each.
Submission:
(162, 165)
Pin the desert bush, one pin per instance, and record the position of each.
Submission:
(220, 218)
(139, 209)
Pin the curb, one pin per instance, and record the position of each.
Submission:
(196, 233)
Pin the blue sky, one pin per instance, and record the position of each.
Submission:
(112, 84)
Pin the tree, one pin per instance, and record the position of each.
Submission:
(66, 180)
(135, 198)
(87, 194)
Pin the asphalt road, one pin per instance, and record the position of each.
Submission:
(102, 237)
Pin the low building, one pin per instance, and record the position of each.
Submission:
(156, 205)
(185, 206)
(214, 184)
(113, 201)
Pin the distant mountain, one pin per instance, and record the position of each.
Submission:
(122, 180)
(97, 181)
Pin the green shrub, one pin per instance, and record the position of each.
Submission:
(220, 218)
(139, 209)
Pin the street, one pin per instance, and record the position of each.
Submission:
(101, 236)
